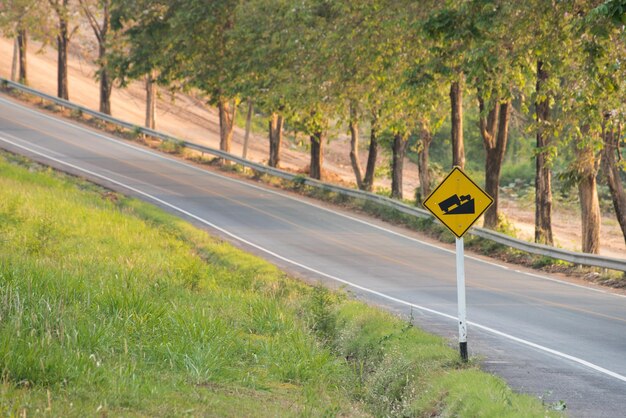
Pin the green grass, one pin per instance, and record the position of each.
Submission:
(109, 306)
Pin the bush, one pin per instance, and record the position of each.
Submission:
(299, 181)
(522, 170)
(171, 146)
(76, 114)
(322, 317)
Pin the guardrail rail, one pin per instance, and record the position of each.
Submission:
(584, 259)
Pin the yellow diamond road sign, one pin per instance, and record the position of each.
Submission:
(458, 202)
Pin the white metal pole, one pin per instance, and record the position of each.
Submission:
(460, 288)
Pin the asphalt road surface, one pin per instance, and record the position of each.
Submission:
(548, 338)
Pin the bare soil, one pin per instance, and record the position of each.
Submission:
(189, 117)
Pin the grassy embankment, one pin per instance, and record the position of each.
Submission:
(109, 306)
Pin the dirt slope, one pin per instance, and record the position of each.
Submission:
(188, 117)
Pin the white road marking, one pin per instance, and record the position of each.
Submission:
(320, 273)
(305, 202)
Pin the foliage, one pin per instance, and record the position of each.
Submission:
(171, 146)
(144, 32)
(30, 15)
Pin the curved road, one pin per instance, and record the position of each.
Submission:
(546, 337)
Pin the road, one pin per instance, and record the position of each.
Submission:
(546, 337)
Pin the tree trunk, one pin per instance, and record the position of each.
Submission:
(368, 180)
(426, 138)
(246, 138)
(354, 146)
(14, 62)
(456, 104)
(495, 147)
(276, 137)
(151, 101)
(354, 153)
(543, 175)
(22, 41)
(105, 89)
(612, 173)
(587, 166)
(62, 45)
(101, 32)
(106, 84)
(317, 155)
(589, 212)
(397, 164)
(227, 118)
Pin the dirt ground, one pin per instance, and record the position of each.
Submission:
(190, 118)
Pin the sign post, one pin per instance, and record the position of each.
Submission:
(458, 203)
(460, 296)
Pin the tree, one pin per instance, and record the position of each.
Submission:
(449, 33)
(582, 171)
(543, 159)
(429, 82)
(311, 93)
(607, 23)
(432, 115)
(549, 43)
(317, 126)
(246, 138)
(151, 100)
(262, 62)
(399, 122)
(584, 100)
(195, 52)
(22, 47)
(276, 124)
(597, 106)
(142, 34)
(15, 60)
(498, 69)
(612, 166)
(494, 130)
(372, 153)
(101, 29)
(586, 166)
(18, 18)
(62, 11)
(400, 141)
(354, 144)
(227, 109)
(364, 40)
(456, 106)
(423, 162)
(382, 42)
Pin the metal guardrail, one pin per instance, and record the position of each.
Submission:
(532, 248)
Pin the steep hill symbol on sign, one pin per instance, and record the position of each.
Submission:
(458, 205)
(457, 195)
